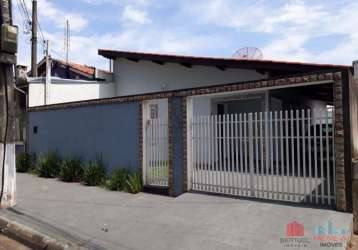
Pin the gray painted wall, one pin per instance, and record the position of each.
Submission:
(111, 131)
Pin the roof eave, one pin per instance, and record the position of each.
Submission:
(217, 62)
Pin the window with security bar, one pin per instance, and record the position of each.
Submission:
(153, 111)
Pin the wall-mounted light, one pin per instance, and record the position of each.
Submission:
(164, 87)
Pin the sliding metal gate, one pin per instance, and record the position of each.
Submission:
(280, 155)
(156, 152)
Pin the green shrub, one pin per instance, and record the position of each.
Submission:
(117, 181)
(48, 165)
(94, 173)
(24, 162)
(134, 183)
(71, 169)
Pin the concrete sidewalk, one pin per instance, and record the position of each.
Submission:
(101, 219)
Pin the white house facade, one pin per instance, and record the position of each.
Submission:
(253, 128)
(66, 90)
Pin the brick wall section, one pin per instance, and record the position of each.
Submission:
(339, 144)
(170, 149)
(140, 139)
(184, 147)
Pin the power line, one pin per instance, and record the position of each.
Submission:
(20, 10)
(26, 10)
(41, 34)
(59, 55)
(38, 22)
(25, 16)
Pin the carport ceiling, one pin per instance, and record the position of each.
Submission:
(321, 92)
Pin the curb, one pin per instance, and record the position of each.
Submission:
(32, 238)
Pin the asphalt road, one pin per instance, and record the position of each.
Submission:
(9, 244)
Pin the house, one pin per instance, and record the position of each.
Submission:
(69, 82)
(255, 128)
(71, 70)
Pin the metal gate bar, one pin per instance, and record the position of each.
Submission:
(280, 155)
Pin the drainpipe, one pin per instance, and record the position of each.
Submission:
(355, 170)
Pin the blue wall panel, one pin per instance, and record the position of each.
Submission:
(110, 131)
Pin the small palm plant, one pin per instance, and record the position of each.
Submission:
(117, 181)
(48, 165)
(71, 169)
(134, 183)
(94, 173)
(24, 162)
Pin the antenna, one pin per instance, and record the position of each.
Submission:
(248, 53)
(67, 39)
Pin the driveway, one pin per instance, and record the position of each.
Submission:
(102, 219)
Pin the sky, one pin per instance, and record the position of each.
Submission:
(322, 31)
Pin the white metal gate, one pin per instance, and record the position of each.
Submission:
(279, 155)
(156, 152)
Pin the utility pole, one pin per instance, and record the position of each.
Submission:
(34, 40)
(48, 73)
(67, 40)
(8, 137)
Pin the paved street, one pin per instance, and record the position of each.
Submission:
(102, 219)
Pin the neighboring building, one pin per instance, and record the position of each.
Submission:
(70, 70)
(69, 82)
(257, 128)
(66, 90)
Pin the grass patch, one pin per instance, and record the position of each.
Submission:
(158, 172)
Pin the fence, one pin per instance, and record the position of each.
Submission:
(279, 155)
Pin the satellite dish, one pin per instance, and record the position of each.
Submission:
(248, 53)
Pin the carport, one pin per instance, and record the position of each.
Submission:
(272, 143)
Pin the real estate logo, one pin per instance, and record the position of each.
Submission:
(330, 236)
(327, 235)
(295, 229)
(295, 233)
